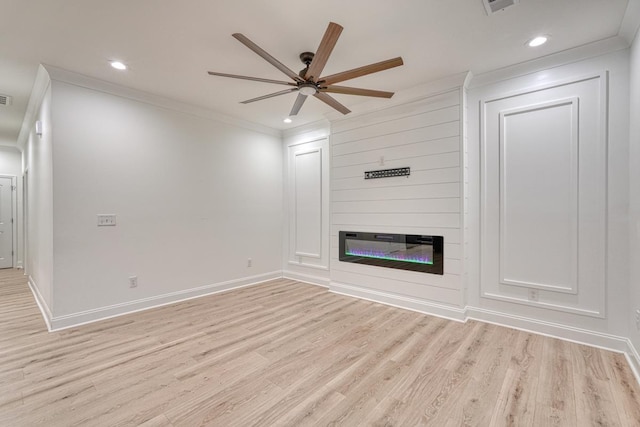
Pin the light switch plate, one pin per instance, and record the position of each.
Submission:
(105, 220)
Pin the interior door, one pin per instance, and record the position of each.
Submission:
(6, 223)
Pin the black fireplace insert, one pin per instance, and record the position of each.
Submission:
(403, 251)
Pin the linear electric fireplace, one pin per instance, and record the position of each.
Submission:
(404, 251)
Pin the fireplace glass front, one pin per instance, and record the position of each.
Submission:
(402, 251)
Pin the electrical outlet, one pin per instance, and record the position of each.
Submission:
(533, 295)
(106, 220)
(133, 281)
(249, 262)
(638, 319)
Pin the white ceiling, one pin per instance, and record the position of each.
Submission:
(170, 45)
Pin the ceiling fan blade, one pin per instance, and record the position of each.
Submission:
(298, 104)
(332, 102)
(327, 44)
(257, 79)
(270, 59)
(361, 71)
(271, 95)
(356, 91)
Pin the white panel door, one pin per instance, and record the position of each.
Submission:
(6, 224)
(544, 181)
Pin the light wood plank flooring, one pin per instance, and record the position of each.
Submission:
(287, 353)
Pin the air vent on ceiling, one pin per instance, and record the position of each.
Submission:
(5, 100)
(493, 6)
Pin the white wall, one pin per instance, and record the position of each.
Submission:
(556, 307)
(634, 190)
(425, 135)
(37, 162)
(194, 199)
(10, 161)
(303, 227)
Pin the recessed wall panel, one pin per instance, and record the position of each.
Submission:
(539, 196)
(308, 203)
(543, 203)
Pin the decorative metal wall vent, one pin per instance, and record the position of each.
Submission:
(387, 173)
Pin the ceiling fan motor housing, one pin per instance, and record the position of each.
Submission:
(307, 57)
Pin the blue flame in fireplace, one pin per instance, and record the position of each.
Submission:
(402, 256)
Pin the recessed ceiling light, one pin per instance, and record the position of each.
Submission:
(287, 120)
(118, 65)
(537, 41)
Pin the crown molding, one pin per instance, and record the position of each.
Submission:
(576, 54)
(307, 132)
(39, 89)
(70, 77)
(404, 96)
(630, 21)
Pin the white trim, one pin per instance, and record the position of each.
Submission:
(630, 21)
(550, 329)
(572, 287)
(545, 305)
(400, 301)
(40, 86)
(550, 62)
(555, 330)
(633, 358)
(103, 313)
(307, 265)
(294, 197)
(603, 76)
(309, 132)
(573, 334)
(307, 255)
(306, 278)
(413, 94)
(42, 304)
(80, 80)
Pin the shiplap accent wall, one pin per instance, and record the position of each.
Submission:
(424, 135)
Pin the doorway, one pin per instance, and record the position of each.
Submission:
(7, 188)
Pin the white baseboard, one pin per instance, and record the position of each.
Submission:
(102, 313)
(400, 301)
(633, 358)
(42, 304)
(568, 333)
(554, 330)
(564, 332)
(306, 278)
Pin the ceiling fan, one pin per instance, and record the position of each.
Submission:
(310, 81)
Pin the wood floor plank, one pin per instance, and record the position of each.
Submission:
(555, 400)
(288, 353)
(627, 401)
(595, 403)
(517, 400)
